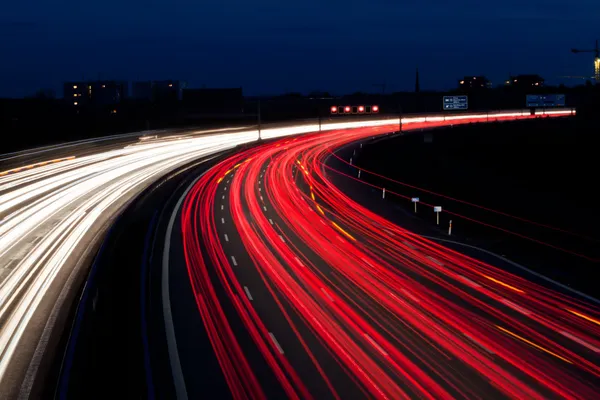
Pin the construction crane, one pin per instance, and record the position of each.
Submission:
(596, 51)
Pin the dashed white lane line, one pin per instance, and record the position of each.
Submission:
(275, 342)
(479, 344)
(469, 282)
(270, 221)
(225, 188)
(580, 341)
(221, 206)
(435, 260)
(222, 220)
(233, 261)
(226, 237)
(408, 245)
(327, 294)
(248, 293)
(261, 198)
(516, 307)
(377, 346)
(259, 189)
(299, 262)
(223, 197)
(409, 295)
(281, 237)
(265, 208)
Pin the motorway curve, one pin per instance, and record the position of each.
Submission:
(303, 293)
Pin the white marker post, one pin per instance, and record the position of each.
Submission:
(350, 160)
(437, 210)
(415, 200)
(450, 229)
(359, 174)
(383, 196)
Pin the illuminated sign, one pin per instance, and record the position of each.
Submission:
(456, 102)
(545, 100)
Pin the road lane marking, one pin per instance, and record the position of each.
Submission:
(479, 344)
(409, 295)
(270, 221)
(221, 206)
(223, 197)
(468, 281)
(276, 343)
(299, 262)
(225, 188)
(248, 293)
(265, 208)
(226, 237)
(222, 220)
(516, 307)
(327, 294)
(281, 237)
(580, 341)
(234, 261)
(377, 346)
(408, 245)
(435, 260)
(261, 198)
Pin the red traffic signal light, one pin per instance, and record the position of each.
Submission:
(375, 109)
(334, 109)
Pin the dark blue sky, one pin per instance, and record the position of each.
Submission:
(270, 46)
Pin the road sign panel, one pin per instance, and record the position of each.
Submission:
(456, 102)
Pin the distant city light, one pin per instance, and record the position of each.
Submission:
(515, 80)
(334, 109)
(170, 85)
(375, 108)
(103, 86)
(74, 86)
(361, 108)
(74, 103)
(347, 109)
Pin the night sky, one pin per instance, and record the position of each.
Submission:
(270, 47)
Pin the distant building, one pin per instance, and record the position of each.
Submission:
(141, 90)
(95, 93)
(167, 91)
(474, 83)
(214, 101)
(525, 81)
(158, 91)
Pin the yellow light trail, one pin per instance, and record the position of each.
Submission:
(529, 342)
(595, 321)
(343, 231)
(503, 284)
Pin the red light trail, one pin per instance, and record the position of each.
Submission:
(335, 299)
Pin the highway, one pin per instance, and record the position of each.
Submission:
(341, 303)
(54, 212)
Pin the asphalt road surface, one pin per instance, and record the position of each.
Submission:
(327, 306)
(305, 293)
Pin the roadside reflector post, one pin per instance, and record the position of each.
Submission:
(383, 196)
(350, 160)
(450, 229)
(415, 200)
(437, 210)
(359, 174)
(361, 145)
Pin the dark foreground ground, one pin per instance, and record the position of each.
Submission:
(543, 170)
